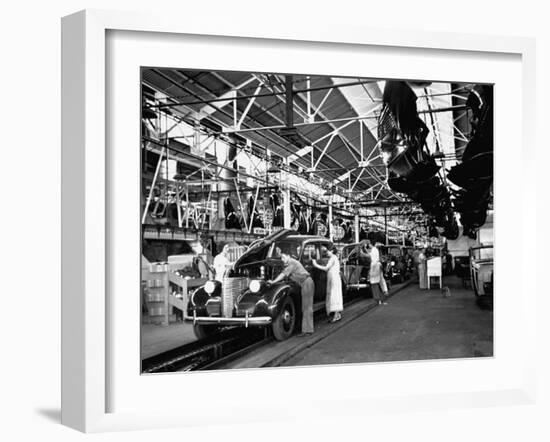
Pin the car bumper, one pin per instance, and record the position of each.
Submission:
(247, 321)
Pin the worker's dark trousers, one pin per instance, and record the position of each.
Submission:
(377, 292)
(307, 289)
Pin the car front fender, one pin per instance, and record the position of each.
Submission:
(268, 301)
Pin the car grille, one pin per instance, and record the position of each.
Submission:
(213, 308)
(242, 309)
(231, 288)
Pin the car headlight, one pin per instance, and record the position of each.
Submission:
(209, 287)
(255, 286)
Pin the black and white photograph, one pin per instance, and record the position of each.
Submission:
(299, 220)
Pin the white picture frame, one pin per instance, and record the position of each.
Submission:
(86, 218)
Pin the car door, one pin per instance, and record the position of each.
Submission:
(309, 253)
(320, 277)
(348, 261)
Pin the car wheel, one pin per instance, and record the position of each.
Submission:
(205, 331)
(283, 324)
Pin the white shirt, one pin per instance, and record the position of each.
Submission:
(374, 255)
(375, 273)
(220, 266)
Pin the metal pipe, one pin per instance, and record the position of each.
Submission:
(241, 204)
(208, 205)
(253, 209)
(337, 120)
(443, 109)
(178, 205)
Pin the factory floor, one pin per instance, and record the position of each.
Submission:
(156, 339)
(414, 325)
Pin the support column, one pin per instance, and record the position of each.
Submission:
(329, 220)
(286, 201)
(187, 207)
(356, 226)
(289, 101)
(386, 223)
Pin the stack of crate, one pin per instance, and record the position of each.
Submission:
(156, 286)
(158, 282)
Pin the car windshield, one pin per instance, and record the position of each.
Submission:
(348, 252)
(394, 251)
(288, 247)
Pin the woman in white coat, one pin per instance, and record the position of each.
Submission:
(334, 302)
(422, 270)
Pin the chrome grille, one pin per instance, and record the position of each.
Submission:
(213, 308)
(231, 288)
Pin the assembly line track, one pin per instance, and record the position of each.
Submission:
(204, 353)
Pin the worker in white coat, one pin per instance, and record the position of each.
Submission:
(221, 263)
(376, 276)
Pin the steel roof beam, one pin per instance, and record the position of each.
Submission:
(248, 107)
(342, 137)
(278, 119)
(261, 107)
(302, 152)
(276, 143)
(241, 97)
(349, 121)
(330, 123)
(230, 95)
(270, 114)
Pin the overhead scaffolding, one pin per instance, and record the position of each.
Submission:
(254, 113)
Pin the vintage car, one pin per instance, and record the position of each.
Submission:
(397, 262)
(481, 269)
(355, 268)
(245, 299)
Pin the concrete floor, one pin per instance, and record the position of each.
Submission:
(415, 325)
(275, 353)
(157, 339)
